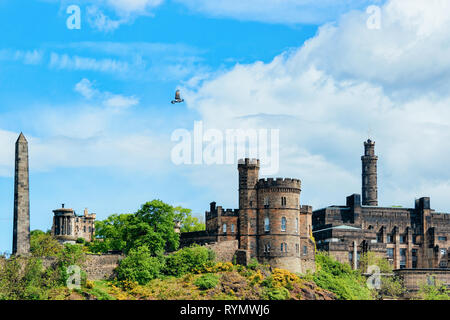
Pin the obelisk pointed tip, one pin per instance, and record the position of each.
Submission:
(21, 138)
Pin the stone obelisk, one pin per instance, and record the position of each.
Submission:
(21, 233)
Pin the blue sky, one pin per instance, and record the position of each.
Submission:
(95, 104)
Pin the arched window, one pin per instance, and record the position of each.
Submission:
(283, 224)
(224, 227)
(266, 224)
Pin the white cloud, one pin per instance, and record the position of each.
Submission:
(33, 57)
(125, 11)
(85, 88)
(119, 101)
(326, 95)
(108, 99)
(64, 61)
(276, 11)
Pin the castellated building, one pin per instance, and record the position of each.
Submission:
(412, 238)
(270, 225)
(68, 227)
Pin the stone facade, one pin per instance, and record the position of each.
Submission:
(68, 226)
(270, 225)
(413, 238)
(21, 228)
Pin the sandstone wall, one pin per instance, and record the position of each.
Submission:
(225, 250)
(414, 278)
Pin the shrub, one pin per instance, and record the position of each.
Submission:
(437, 291)
(187, 260)
(339, 278)
(139, 266)
(277, 293)
(207, 281)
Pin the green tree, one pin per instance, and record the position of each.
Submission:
(188, 222)
(153, 225)
(140, 266)
(111, 233)
(42, 244)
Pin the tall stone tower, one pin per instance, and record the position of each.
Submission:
(21, 231)
(248, 201)
(369, 175)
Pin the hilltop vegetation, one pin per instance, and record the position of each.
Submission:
(148, 271)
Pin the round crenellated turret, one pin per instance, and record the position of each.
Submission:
(279, 222)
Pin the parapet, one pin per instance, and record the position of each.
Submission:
(306, 209)
(279, 183)
(248, 162)
(219, 211)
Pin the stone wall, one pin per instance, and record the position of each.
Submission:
(96, 266)
(225, 250)
(414, 278)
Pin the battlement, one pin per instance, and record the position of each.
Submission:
(279, 183)
(306, 209)
(219, 211)
(248, 162)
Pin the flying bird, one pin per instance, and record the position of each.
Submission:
(177, 98)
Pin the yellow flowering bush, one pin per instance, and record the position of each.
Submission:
(282, 277)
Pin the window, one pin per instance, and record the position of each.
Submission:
(390, 253)
(232, 228)
(402, 258)
(443, 252)
(296, 225)
(350, 256)
(283, 201)
(414, 258)
(267, 247)
(266, 202)
(379, 238)
(442, 238)
(224, 228)
(283, 224)
(266, 224)
(390, 238)
(305, 250)
(402, 239)
(297, 248)
(283, 247)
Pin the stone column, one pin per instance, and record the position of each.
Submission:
(21, 231)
